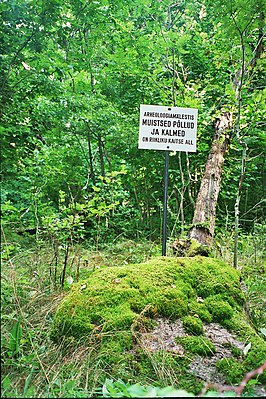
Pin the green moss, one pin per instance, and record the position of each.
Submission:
(241, 326)
(231, 369)
(115, 301)
(236, 352)
(211, 276)
(168, 369)
(193, 325)
(118, 341)
(172, 308)
(190, 383)
(195, 248)
(113, 297)
(144, 367)
(220, 309)
(115, 346)
(257, 352)
(199, 310)
(255, 357)
(197, 345)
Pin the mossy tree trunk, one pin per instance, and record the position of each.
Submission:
(205, 208)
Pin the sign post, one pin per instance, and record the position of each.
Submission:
(168, 129)
(166, 168)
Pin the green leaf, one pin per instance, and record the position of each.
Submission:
(15, 338)
(263, 331)
(6, 383)
(247, 348)
(29, 391)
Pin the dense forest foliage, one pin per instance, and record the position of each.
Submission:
(73, 75)
(77, 193)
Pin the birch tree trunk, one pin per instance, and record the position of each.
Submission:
(205, 208)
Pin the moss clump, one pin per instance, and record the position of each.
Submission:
(115, 304)
(168, 369)
(199, 310)
(197, 345)
(211, 277)
(193, 325)
(255, 356)
(112, 298)
(220, 309)
(236, 352)
(196, 248)
(231, 369)
(190, 248)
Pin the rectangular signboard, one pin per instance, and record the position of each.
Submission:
(167, 128)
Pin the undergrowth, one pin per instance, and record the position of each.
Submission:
(33, 366)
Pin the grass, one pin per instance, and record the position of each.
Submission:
(34, 366)
(30, 294)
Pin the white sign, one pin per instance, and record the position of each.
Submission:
(167, 128)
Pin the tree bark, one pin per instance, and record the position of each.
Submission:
(205, 208)
(239, 192)
(90, 157)
(100, 147)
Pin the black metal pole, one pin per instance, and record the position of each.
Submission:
(166, 167)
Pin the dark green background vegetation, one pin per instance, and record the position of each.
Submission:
(73, 75)
(77, 194)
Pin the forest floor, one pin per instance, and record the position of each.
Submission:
(163, 338)
(30, 293)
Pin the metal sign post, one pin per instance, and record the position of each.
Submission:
(166, 168)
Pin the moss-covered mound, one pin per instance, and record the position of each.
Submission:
(113, 297)
(116, 303)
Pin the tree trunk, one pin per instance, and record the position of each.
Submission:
(205, 208)
(100, 147)
(90, 157)
(239, 192)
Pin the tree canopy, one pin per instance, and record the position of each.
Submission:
(73, 75)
